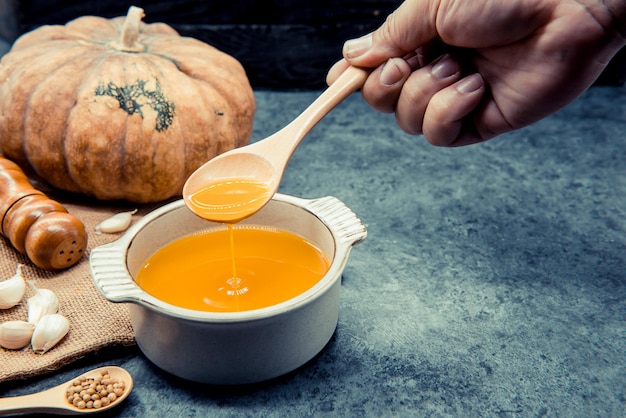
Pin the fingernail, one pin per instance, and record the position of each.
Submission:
(444, 67)
(391, 73)
(357, 47)
(414, 60)
(470, 84)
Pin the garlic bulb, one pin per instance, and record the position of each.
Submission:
(43, 302)
(49, 331)
(15, 334)
(116, 223)
(12, 289)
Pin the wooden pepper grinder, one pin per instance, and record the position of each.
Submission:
(36, 225)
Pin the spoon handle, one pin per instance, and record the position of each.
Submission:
(288, 138)
(32, 403)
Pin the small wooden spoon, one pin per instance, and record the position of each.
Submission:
(54, 400)
(229, 176)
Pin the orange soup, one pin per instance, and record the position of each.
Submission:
(232, 269)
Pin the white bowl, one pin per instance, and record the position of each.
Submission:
(231, 347)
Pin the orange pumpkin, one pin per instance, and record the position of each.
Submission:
(120, 109)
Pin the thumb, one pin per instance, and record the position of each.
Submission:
(409, 27)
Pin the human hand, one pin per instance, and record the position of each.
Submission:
(462, 72)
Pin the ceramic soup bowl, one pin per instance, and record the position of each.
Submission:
(231, 347)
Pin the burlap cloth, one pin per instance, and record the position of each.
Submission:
(94, 322)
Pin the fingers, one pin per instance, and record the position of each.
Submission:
(447, 118)
(383, 87)
(434, 100)
(420, 88)
(336, 70)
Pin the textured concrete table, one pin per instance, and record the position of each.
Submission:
(492, 282)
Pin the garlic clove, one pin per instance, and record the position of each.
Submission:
(116, 223)
(43, 302)
(12, 289)
(49, 331)
(15, 334)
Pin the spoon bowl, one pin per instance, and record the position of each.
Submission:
(54, 400)
(235, 195)
(261, 163)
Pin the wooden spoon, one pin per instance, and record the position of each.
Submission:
(54, 400)
(237, 183)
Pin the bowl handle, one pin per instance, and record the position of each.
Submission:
(107, 263)
(339, 218)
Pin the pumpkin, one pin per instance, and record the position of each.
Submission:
(118, 108)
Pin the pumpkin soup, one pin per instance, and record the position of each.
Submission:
(237, 268)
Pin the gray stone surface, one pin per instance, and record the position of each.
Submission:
(491, 283)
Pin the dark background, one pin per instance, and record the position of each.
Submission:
(283, 44)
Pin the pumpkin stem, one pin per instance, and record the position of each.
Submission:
(130, 32)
